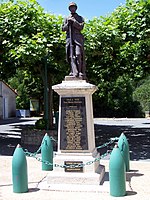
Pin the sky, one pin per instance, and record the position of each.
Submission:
(86, 8)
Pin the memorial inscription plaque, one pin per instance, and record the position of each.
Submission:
(73, 124)
(78, 166)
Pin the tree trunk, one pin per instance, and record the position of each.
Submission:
(48, 97)
(50, 101)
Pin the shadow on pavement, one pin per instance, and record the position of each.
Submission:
(33, 190)
(138, 138)
(10, 138)
(14, 120)
(130, 193)
(8, 145)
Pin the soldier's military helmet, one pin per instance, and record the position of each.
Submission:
(72, 4)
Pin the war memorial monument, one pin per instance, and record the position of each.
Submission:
(76, 137)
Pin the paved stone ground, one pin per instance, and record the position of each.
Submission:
(137, 184)
(138, 179)
(136, 130)
(10, 134)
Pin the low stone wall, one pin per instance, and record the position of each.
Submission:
(35, 136)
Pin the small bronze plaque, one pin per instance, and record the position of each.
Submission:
(73, 166)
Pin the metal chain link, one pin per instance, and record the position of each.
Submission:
(53, 139)
(67, 166)
(34, 155)
(112, 140)
(39, 149)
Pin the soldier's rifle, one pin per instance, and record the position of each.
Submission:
(72, 56)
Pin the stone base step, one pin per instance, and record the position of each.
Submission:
(74, 187)
(77, 178)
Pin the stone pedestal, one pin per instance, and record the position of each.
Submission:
(76, 126)
(76, 138)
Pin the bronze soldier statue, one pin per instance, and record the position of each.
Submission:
(74, 42)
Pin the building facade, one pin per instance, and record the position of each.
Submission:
(7, 101)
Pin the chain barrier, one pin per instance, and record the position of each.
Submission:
(112, 140)
(34, 155)
(68, 166)
(53, 139)
(39, 149)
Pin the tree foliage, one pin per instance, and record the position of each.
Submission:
(29, 35)
(120, 42)
(117, 49)
(27, 86)
(32, 40)
(142, 94)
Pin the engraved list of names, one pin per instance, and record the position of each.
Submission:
(73, 124)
